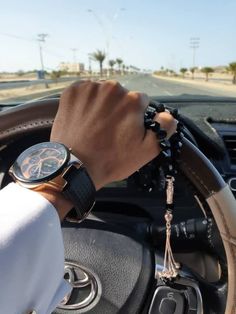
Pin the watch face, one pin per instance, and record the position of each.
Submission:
(40, 162)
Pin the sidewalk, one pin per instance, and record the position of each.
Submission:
(214, 85)
(13, 93)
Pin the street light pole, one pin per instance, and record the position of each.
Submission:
(41, 39)
(194, 44)
(90, 65)
(75, 59)
(108, 35)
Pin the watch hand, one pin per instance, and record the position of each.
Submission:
(39, 169)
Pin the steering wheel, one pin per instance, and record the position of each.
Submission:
(118, 269)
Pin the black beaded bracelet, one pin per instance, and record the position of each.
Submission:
(170, 147)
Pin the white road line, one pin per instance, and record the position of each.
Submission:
(168, 93)
(165, 91)
(125, 83)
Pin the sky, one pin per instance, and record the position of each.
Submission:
(148, 34)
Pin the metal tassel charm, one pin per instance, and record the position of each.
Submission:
(171, 267)
(170, 150)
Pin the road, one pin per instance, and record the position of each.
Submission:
(159, 87)
(149, 85)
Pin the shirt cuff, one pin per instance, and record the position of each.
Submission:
(31, 252)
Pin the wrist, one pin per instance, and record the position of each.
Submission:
(58, 200)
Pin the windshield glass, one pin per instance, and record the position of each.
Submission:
(163, 48)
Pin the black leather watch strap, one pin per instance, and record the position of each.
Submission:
(80, 190)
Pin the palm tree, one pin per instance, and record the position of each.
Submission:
(55, 75)
(232, 69)
(119, 62)
(111, 64)
(123, 69)
(99, 56)
(192, 70)
(183, 71)
(207, 70)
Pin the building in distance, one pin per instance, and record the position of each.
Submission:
(72, 67)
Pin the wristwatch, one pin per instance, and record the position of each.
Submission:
(52, 165)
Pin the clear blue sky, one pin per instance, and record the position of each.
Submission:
(147, 34)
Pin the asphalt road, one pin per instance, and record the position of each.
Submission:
(159, 87)
(149, 85)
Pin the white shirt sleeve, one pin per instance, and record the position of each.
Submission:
(31, 253)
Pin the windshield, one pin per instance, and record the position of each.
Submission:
(163, 48)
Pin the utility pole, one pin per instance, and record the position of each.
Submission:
(90, 65)
(75, 59)
(194, 44)
(41, 39)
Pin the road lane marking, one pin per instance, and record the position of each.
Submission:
(168, 93)
(125, 83)
(165, 91)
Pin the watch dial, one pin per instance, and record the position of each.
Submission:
(40, 162)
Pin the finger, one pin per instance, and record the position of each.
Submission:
(100, 81)
(115, 84)
(151, 142)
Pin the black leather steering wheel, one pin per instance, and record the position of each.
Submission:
(120, 266)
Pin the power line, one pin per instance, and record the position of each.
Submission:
(41, 39)
(17, 37)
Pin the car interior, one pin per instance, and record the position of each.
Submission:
(116, 253)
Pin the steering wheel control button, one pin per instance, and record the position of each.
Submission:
(167, 300)
(177, 297)
(167, 306)
(192, 300)
(232, 184)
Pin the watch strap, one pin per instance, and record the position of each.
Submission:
(80, 190)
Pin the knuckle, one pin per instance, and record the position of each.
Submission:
(141, 100)
(74, 88)
(113, 84)
(78, 84)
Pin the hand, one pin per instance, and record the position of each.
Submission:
(103, 124)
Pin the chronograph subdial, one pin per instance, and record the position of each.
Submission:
(42, 168)
(41, 161)
(49, 165)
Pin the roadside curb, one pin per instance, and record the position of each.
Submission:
(218, 86)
